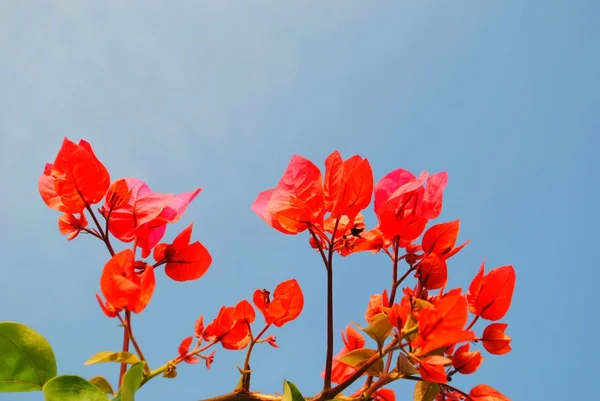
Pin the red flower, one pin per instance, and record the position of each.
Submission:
(185, 261)
(297, 200)
(286, 305)
(184, 349)
(146, 213)
(233, 333)
(490, 295)
(352, 340)
(403, 204)
(123, 287)
(348, 185)
(441, 324)
(495, 340)
(466, 362)
(69, 224)
(76, 179)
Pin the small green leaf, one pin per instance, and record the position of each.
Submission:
(359, 357)
(72, 388)
(27, 361)
(379, 329)
(110, 356)
(291, 392)
(102, 384)
(404, 366)
(421, 304)
(131, 381)
(425, 391)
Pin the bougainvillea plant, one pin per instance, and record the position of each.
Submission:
(420, 332)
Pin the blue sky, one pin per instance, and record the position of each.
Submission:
(501, 94)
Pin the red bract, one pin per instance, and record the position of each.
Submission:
(184, 261)
(441, 324)
(69, 224)
(108, 309)
(296, 202)
(378, 303)
(352, 340)
(286, 305)
(76, 179)
(466, 362)
(384, 394)
(118, 194)
(432, 272)
(233, 334)
(123, 287)
(199, 327)
(348, 185)
(403, 204)
(490, 295)
(184, 348)
(441, 238)
(495, 340)
(146, 214)
(484, 392)
(244, 312)
(432, 369)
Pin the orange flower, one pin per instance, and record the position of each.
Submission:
(123, 287)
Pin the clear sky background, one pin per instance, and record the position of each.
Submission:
(503, 95)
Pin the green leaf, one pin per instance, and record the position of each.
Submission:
(359, 357)
(102, 384)
(291, 392)
(27, 361)
(131, 381)
(404, 366)
(110, 356)
(425, 391)
(379, 329)
(72, 388)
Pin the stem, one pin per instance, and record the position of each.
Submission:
(176, 361)
(395, 284)
(420, 379)
(125, 344)
(473, 323)
(103, 234)
(318, 241)
(394, 271)
(333, 392)
(329, 355)
(135, 344)
(383, 380)
(246, 375)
